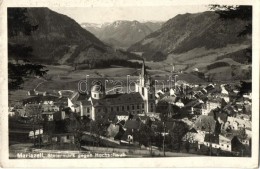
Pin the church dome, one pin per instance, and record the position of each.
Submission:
(98, 89)
(98, 92)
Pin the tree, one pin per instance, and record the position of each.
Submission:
(231, 12)
(18, 72)
(177, 132)
(34, 112)
(85, 123)
(145, 135)
(98, 129)
(242, 134)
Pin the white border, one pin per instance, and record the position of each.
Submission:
(227, 162)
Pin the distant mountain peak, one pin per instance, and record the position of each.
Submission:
(122, 33)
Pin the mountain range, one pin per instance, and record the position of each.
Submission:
(199, 41)
(189, 31)
(188, 41)
(122, 33)
(61, 40)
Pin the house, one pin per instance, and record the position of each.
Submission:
(225, 143)
(31, 93)
(11, 113)
(179, 104)
(35, 133)
(226, 97)
(218, 142)
(145, 119)
(50, 107)
(170, 99)
(38, 93)
(74, 101)
(172, 92)
(40, 99)
(122, 117)
(61, 138)
(230, 109)
(211, 140)
(210, 88)
(194, 106)
(247, 96)
(154, 116)
(223, 89)
(49, 115)
(128, 137)
(244, 117)
(130, 127)
(237, 124)
(210, 105)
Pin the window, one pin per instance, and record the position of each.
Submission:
(123, 108)
(138, 107)
(142, 105)
(111, 108)
(88, 109)
(227, 146)
(133, 106)
(68, 137)
(127, 107)
(151, 107)
(142, 91)
(95, 95)
(117, 108)
(138, 112)
(151, 96)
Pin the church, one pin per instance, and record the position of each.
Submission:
(98, 103)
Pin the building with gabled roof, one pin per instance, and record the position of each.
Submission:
(98, 103)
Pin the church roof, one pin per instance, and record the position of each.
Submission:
(117, 99)
(76, 96)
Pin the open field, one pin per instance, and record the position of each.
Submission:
(64, 77)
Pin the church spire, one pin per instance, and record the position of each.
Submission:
(143, 73)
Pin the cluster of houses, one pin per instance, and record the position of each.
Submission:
(218, 116)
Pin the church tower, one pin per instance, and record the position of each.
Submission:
(146, 90)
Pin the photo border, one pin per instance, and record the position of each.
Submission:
(227, 162)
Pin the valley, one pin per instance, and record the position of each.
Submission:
(175, 87)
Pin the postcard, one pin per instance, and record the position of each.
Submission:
(129, 83)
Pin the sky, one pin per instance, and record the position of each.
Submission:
(142, 13)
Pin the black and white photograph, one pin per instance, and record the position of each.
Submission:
(131, 82)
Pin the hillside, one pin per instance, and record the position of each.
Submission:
(199, 41)
(121, 33)
(61, 40)
(189, 31)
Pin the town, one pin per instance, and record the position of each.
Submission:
(183, 119)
